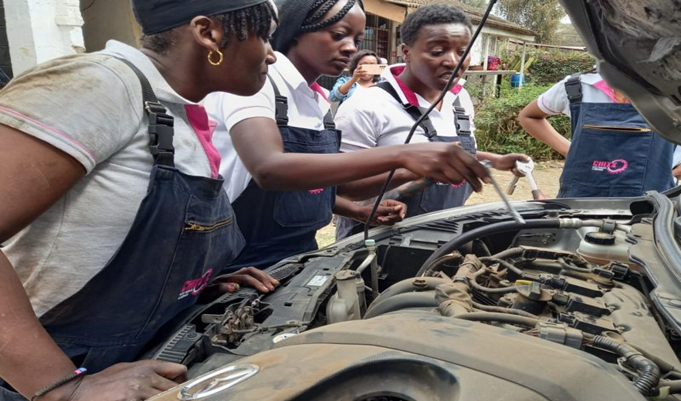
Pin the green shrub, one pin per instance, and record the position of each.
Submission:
(498, 130)
(550, 67)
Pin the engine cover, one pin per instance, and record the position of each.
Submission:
(416, 356)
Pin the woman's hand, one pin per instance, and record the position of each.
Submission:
(507, 162)
(249, 276)
(388, 213)
(360, 74)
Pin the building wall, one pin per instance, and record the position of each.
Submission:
(5, 59)
(109, 19)
(40, 30)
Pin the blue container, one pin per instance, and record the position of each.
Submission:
(517, 80)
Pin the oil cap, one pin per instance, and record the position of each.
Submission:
(600, 238)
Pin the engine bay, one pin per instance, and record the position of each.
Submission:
(582, 279)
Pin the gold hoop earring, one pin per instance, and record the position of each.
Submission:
(220, 58)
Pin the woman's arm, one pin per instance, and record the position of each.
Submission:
(260, 147)
(534, 121)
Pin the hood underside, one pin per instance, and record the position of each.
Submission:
(638, 47)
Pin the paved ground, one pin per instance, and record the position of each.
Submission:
(546, 174)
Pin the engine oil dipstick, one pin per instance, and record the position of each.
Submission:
(514, 213)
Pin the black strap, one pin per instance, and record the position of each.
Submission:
(281, 109)
(414, 111)
(461, 119)
(573, 87)
(161, 124)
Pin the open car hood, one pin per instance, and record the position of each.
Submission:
(638, 47)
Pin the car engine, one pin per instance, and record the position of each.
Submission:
(565, 307)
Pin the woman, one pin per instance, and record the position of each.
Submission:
(283, 139)
(110, 202)
(613, 152)
(435, 37)
(359, 78)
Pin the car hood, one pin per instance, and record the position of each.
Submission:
(638, 47)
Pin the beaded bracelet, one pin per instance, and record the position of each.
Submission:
(63, 380)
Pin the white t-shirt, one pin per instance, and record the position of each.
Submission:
(374, 118)
(307, 107)
(90, 107)
(555, 100)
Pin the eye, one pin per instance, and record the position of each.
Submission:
(337, 36)
(437, 53)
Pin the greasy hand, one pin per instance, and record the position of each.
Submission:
(249, 276)
(445, 162)
(388, 213)
(122, 382)
(507, 162)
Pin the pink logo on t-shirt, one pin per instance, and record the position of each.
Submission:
(616, 166)
(195, 286)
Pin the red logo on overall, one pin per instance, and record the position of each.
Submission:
(195, 286)
(316, 191)
(616, 166)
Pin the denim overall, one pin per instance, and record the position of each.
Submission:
(184, 232)
(613, 152)
(434, 197)
(279, 224)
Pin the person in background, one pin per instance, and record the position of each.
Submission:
(435, 37)
(281, 146)
(613, 151)
(110, 202)
(358, 79)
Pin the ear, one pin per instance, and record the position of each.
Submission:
(405, 52)
(207, 32)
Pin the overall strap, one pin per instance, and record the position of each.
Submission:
(281, 104)
(160, 122)
(461, 119)
(328, 121)
(573, 87)
(414, 111)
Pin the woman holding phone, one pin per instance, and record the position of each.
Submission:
(365, 69)
(280, 147)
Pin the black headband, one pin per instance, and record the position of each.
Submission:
(157, 16)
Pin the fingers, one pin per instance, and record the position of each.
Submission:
(251, 276)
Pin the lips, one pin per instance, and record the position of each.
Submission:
(344, 61)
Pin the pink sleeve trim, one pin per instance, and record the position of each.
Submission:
(546, 107)
(53, 130)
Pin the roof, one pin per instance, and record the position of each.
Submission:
(475, 14)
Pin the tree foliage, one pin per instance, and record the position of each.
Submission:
(542, 16)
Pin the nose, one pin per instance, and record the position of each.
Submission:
(271, 58)
(451, 58)
(349, 47)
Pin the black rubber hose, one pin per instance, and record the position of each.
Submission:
(407, 285)
(648, 372)
(499, 317)
(403, 301)
(483, 231)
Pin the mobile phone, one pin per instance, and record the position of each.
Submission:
(375, 69)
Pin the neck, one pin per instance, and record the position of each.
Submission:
(309, 75)
(418, 87)
(179, 74)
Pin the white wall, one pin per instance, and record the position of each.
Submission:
(40, 30)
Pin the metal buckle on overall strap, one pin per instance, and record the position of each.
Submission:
(462, 120)
(573, 87)
(328, 121)
(160, 133)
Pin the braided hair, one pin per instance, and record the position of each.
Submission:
(256, 19)
(302, 16)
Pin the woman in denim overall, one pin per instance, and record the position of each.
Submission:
(613, 152)
(183, 231)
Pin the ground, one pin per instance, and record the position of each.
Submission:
(546, 174)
